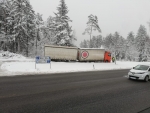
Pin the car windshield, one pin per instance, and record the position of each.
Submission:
(141, 67)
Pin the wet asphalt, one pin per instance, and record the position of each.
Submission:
(81, 92)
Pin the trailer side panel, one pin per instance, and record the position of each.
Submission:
(61, 52)
(91, 54)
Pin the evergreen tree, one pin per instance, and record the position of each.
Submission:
(62, 9)
(130, 38)
(140, 41)
(107, 41)
(147, 49)
(39, 25)
(2, 18)
(114, 44)
(63, 32)
(81, 44)
(93, 42)
(117, 46)
(130, 49)
(30, 27)
(50, 30)
(96, 41)
(24, 26)
(6, 23)
(121, 48)
(2, 24)
(84, 44)
(73, 38)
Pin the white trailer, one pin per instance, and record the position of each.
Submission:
(91, 54)
(61, 52)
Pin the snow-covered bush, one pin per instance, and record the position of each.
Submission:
(7, 54)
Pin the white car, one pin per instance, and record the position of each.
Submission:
(140, 72)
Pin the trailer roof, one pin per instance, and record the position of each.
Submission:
(67, 47)
(93, 48)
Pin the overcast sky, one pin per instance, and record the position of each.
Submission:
(113, 15)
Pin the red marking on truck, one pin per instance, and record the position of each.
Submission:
(85, 54)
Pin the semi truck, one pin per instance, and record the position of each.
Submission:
(65, 53)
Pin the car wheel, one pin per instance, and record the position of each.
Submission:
(146, 79)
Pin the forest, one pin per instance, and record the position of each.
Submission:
(23, 31)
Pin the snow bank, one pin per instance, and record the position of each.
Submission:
(23, 68)
(15, 64)
(8, 56)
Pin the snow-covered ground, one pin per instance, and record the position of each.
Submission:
(13, 64)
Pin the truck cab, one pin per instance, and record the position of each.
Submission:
(107, 56)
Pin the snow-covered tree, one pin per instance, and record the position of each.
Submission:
(130, 48)
(92, 24)
(39, 35)
(120, 48)
(115, 44)
(93, 42)
(140, 41)
(2, 18)
(6, 23)
(84, 44)
(24, 25)
(49, 31)
(30, 27)
(130, 38)
(107, 41)
(63, 32)
(73, 38)
(39, 24)
(96, 41)
(147, 49)
(2, 23)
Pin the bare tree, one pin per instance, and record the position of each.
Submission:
(92, 24)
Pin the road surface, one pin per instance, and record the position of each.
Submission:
(81, 92)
